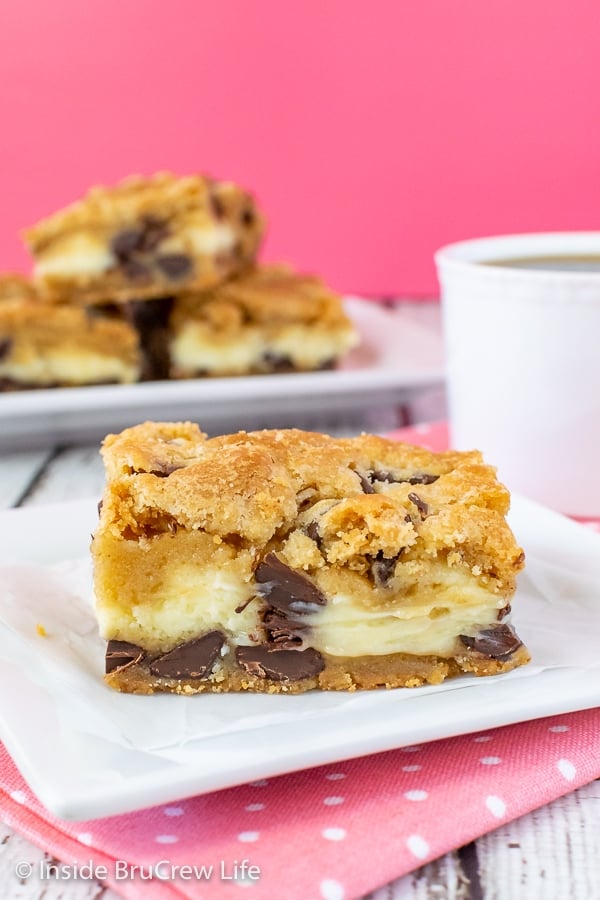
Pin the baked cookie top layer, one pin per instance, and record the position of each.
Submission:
(138, 197)
(271, 295)
(323, 500)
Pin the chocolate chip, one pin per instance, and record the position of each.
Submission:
(417, 478)
(278, 362)
(248, 217)
(121, 655)
(421, 478)
(174, 265)
(5, 346)
(216, 204)
(285, 588)
(382, 569)
(100, 505)
(151, 318)
(280, 665)
(281, 631)
(365, 484)
(153, 233)
(420, 504)
(125, 243)
(504, 612)
(494, 643)
(194, 659)
(164, 470)
(312, 530)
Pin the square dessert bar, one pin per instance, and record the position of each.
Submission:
(45, 345)
(270, 319)
(281, 561)
(146, 237)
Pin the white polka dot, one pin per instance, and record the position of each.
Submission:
(334, 834)
(254, 807)
(567, 769)
(558, 728)
(173, 811)
(411, 768)
(418, 846)
(331, 890)
(490, 760)
(496, 806)
(416, 795)
(260, 783)
(166, 839)
(85, 838)
(422, 428)
(333, 801)
(18, 796)
(482, 738)
(410, 749)
(248, 837)
(335, 776)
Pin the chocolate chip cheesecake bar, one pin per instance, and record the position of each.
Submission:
(281, 561)
(45, 345)
(270, 319)
(146, 237)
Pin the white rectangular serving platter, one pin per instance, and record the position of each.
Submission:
(395, 356)
(82, 775)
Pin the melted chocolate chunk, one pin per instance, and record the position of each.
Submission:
(282, 631)
(248, 217)
(278, 363)
(153, 233)
(194, 659)
(312, 531)
(420, 504)
(382, 569)
(504, 612)
(365, 484)
(121, 655)
(174, 265)
(5, 347)
(280, 665)
(286, 589)
(494, 643)
(164, 470)
(126, 242)
(150, 318)
(421, 478)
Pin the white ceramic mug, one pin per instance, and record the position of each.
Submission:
(523, 364)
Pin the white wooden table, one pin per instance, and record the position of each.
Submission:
(550, 854)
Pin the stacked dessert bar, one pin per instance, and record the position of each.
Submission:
(158, 278)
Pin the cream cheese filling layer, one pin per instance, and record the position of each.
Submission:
(70, 368)
(191, 600)
(77, 254)
(197, 348)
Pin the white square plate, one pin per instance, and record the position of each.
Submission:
(395, 356)
(81, 773)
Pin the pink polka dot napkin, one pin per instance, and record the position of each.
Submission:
(335, 832)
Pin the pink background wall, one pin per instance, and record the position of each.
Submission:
(372, 131)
